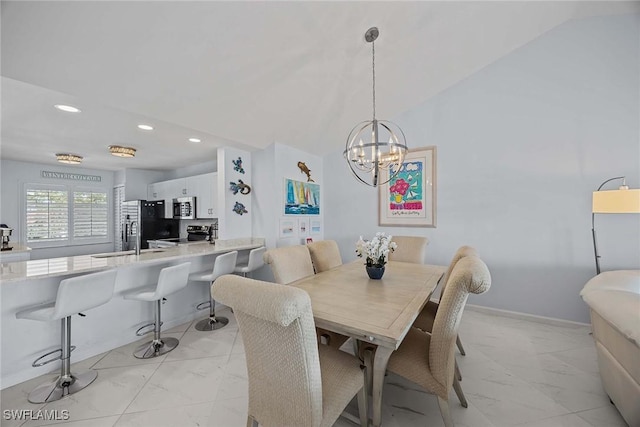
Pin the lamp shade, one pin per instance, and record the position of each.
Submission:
(616, 201)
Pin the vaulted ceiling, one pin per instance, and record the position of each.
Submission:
(238, 73)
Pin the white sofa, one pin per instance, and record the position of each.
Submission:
(614, 300)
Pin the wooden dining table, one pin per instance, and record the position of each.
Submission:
(346, 301)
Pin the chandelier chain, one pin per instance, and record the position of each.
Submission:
(373, 68)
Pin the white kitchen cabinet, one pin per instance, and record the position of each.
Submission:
(202, 187)
(167, 191)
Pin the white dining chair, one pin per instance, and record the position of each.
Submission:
(325, 255)
(411, 249)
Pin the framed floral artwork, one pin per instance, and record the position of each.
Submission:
(409, 198)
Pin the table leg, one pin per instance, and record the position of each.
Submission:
(379, 368)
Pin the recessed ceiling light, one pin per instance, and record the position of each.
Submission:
(67, 108)
(145, 127)
(70, 159)
(194, 140)
(120, 151)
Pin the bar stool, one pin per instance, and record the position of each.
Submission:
(224, 264)
(171, 280)
(255, 262)
(75, 295)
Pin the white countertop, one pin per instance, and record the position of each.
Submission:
(17, 248)
(43, 268)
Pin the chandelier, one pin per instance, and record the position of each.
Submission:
(375, 149)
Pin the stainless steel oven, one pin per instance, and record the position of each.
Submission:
(184, 208)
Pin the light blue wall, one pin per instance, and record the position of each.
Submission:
(14, 175)
(521, 146)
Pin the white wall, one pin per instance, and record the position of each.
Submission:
(521, 146)
(137, 180)
(270, 168)
(14, 175)
(230, 224)
(199, 169)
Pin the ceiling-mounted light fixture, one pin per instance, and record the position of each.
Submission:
(70, 159)
(120, 151)
(145, 127)
(375, 146)
(196, 140)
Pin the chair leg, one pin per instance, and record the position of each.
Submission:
(212, 323)
(460, 347)
(251, 422)
(444, 410)
(457, 371)
(158, 346)
(66, 383)
(459, 393)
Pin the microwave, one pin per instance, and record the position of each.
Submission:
(184, 208)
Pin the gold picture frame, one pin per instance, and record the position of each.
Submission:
(409, 198)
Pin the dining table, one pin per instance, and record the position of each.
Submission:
(346, 301)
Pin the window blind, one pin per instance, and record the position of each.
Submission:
(90, 214)
(47, 215)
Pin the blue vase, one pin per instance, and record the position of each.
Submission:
(375, 273)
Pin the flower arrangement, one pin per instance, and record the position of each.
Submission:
(376, 251)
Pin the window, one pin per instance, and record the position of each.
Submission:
(47, 215)
(90, 214)
(66, 215)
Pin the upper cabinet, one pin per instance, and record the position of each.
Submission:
(202, 187)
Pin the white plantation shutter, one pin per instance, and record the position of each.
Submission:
(64, 215)
(90, 214)
(47, 215)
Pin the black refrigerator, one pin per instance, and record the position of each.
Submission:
(146, 217)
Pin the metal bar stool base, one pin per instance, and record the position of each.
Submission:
(212, 323)
(59, 388)
(156, 348)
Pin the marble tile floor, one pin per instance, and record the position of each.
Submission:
(516, 373)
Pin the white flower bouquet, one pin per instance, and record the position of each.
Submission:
(376, 251)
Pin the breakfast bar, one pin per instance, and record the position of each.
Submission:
(30, 283)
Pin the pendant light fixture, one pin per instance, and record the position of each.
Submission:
(375, 149)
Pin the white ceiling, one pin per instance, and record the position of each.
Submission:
(238, 73)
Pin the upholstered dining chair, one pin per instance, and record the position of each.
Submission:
(426, 317)
(427, 359)
(325, 255)
(289, 263)
(410, 249)
(292, 263)
(292, 380)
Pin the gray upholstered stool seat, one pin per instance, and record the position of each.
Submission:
(171, 280)
(254, 262)
(75, 295)
(224, 264)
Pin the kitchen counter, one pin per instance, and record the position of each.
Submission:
(17, 253)
(17, 248)
(114, 324)
(53, 267)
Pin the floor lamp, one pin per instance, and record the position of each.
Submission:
(622, 200)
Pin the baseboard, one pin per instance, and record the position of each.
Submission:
(524, 316)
